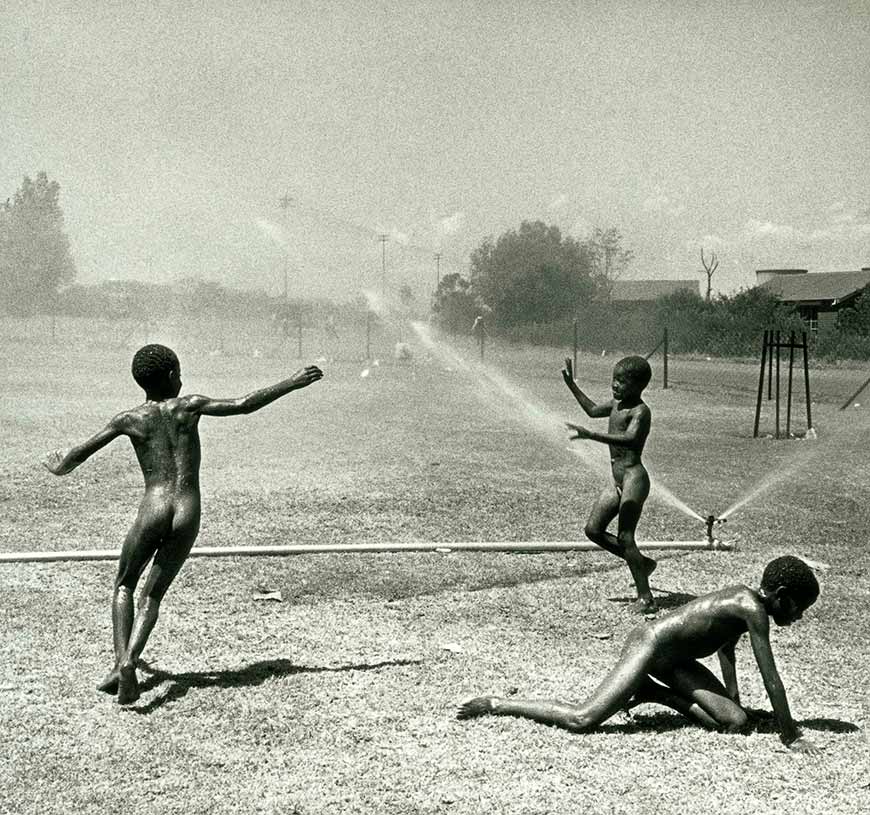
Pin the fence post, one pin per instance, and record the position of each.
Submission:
(665, 370)
(791, 344)
(575, 345)
(777, 384)
(760, 385)
(807, 381)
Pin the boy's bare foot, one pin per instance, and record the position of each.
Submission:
(475, 707)
(110, 683)
(128, 685)
(649, 564)
(644, 606)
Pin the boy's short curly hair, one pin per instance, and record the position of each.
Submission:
(153, 364)
(635, 368)
(795, 576)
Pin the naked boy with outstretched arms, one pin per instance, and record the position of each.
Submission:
(164, 431)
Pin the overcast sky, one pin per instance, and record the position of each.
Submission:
(174, 127)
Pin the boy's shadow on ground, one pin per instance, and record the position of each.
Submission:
(664, 598)
(760, 721)
(249, 676)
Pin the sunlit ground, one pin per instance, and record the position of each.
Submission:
(341, 697)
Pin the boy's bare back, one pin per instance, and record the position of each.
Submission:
(704, 625)
(165, 436)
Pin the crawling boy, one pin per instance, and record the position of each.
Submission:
(165, 435)
(628, 427)
(659, 662)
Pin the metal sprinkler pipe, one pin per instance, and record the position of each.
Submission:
(442, 548)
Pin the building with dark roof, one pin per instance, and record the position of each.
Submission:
(819, 296)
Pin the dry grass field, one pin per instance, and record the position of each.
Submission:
(340, 698)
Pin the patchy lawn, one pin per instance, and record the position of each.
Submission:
(341, 697)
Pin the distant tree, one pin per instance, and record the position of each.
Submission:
(406, 296)
(456, 305)
(35, 258)
(609, 258)
(710, 267)
(856, 318)
(533, 274)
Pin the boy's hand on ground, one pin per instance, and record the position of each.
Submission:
(805, 746)
(580, 432)
(53, 462)
(306, 376)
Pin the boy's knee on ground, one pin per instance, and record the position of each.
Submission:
(732, 719)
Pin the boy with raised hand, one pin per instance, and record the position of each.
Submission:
(659, 662)
(164, 431)
(628, 427)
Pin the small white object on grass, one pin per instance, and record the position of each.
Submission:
(811, 434)
(365, 373)
(816, 565)
(268, 594)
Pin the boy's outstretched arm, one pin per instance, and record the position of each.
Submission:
(61, 462)
(759, 636)
(257, 399)
(592, 409)
(633, 437)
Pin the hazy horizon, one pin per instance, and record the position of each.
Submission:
(174, 129)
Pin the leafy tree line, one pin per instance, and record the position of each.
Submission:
(722, 326)
(35, 259)
(530, 275)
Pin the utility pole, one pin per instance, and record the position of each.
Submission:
(284, 202)
(383, 239)
(437, 270)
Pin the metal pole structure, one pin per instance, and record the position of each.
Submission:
(791, 345)
(855, 395)
(284, 202)
(807, 381)
(575, 346)
(447, 547)
(760, 385)
(665, 369)
(777, 384)
(770, 367)
(383, 239)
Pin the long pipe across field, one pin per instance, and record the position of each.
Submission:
(362, 548)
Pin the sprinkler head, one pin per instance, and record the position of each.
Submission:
(709, 522)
